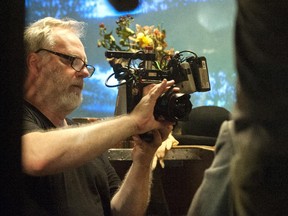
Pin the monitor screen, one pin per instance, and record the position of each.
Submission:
(205, 27)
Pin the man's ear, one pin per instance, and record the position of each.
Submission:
(33, 60)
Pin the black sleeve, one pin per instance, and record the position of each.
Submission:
(33, 120)
(113, 178)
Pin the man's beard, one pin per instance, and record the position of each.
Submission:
(59, 93)
(70, 100)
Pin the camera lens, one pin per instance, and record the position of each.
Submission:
(172, 106)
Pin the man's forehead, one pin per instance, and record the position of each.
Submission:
(68, 42)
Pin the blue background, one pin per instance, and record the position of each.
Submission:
(203, 26)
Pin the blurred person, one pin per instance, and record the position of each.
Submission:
(66, 168)
(260, 169)
(252, 180)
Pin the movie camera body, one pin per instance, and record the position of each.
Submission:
(189, 72)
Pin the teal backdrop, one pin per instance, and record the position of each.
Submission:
(205, 27)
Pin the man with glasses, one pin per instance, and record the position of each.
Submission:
(66, 169)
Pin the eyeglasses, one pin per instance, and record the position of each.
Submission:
(76, 63)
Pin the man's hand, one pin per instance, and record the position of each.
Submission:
(143, 112)
(144, 152)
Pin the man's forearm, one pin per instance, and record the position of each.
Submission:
(53, 151)
(134, 194)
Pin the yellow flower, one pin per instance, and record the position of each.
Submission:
(140, 36)
(144, 40)
(143, 37)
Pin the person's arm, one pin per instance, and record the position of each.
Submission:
(134, 194)
(213, 196)
(55, 150)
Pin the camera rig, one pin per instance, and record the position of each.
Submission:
(138, 69)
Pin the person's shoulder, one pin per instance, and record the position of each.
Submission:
(28, 109)
(225, 136)
(33, 119)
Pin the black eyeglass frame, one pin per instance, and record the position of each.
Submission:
(90, 68)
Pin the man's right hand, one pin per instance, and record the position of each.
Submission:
(143, 112)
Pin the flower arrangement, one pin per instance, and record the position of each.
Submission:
(139, 40)
(143, 37)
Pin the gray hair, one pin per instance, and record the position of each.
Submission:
(40, 33)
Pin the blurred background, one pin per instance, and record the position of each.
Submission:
(202, 26)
